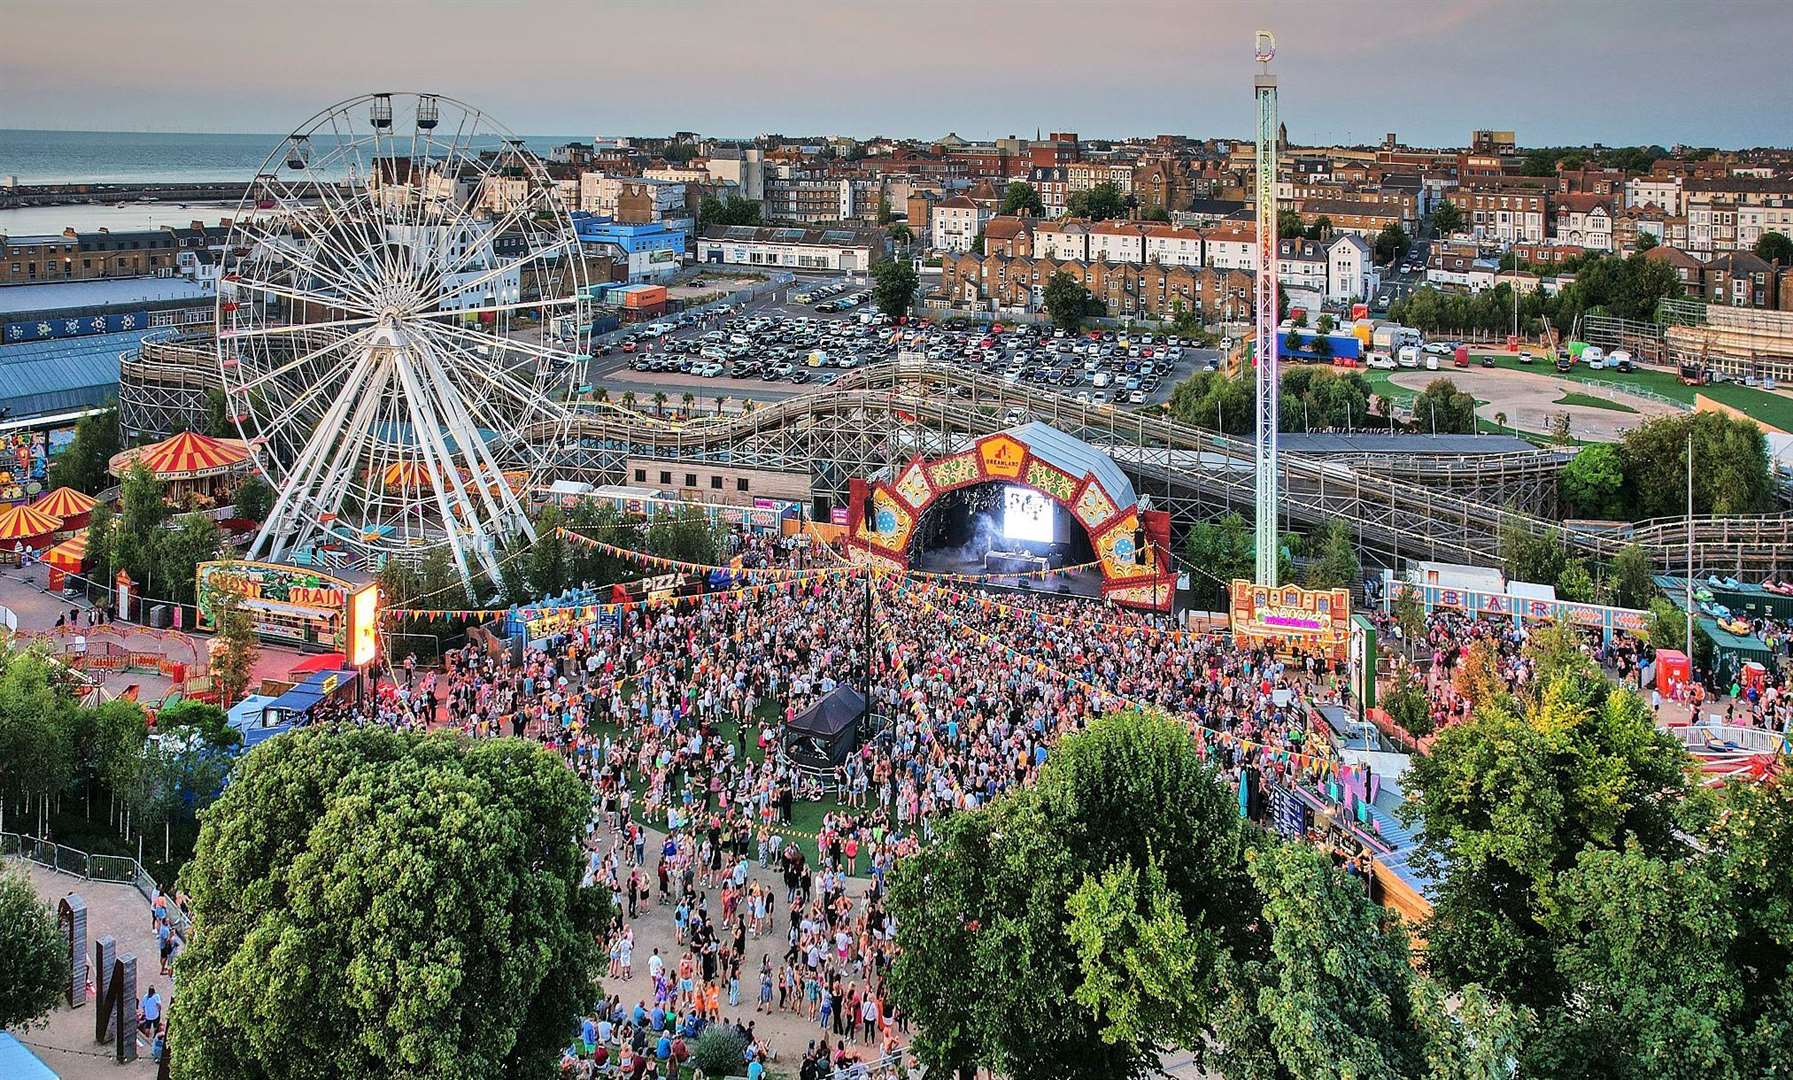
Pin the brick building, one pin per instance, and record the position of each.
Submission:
(80, 256)
(1152, 290)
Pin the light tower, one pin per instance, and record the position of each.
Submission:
(1264, 346)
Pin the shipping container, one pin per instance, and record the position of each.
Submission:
(644, 296)
(1301, 344)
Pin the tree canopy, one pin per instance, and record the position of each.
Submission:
(1101, 202)
(1067, 301)
(894, 282)
(372, 903)
(1021, 196)
(735, 210)
(1442, 409)
(1775, 247)
(82, 464)
(33, 953)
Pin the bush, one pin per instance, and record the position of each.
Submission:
(720, 1051)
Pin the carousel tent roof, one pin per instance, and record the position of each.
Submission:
(1076, 457)
(64, 502)
(188, 454)
(69, 555)
(21, 522)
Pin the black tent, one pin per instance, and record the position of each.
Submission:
(823, 735)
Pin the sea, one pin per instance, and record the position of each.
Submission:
(112, 157)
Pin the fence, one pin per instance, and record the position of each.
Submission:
(118, 869)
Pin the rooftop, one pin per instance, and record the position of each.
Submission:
(38, 378)
(57, 295)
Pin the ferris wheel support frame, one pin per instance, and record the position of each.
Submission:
(370, 387)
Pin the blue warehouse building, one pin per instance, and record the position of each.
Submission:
(651, 252)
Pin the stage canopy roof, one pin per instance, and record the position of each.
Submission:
(1076, 457)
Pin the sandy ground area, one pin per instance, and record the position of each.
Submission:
(1529, 401)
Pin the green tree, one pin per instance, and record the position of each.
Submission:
(720, 1051)
(236, 649)
(1289, 226)
(900, 235)
(1509, 798)
(1646, 241)
(1442, 409)
(1530, 554)
(1101, 202)
(1408, 609)
(1633, 577)
(1067, 301)
(660, 400)
(987, 964)
(1446, 219)
(1338, 566)
(1668, 625)
(1336, 998)
(1021, 196)
(686, 537)
(1392, 243)
(202, 716)
(141, 513)
(398, 905)
(1575, 583)
(734, 211)
(82, 464)
(195, 538)
(894, 283)
(1155, 213)
(36, 719)
(1215, 401)
(102, 545)
(1731, 465)
(1221, 550)
(1407, 703)
(1643, 954)
(1592, 484)
(34, 964)
(1774, 247)
(548, 555)
(255, 498)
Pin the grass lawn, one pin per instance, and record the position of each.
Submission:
(1590, 401)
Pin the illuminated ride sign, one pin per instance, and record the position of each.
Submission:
(362, 644)
(1306, 617)
(292, 603)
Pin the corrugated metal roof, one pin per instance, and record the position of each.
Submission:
(58, 295)
(1076, 457)
(42, 377)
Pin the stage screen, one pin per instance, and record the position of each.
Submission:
(1026, 515)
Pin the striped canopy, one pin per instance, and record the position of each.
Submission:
(65, 503)
(186, 456)
(407, 474)
(23, 522)
(69, 555)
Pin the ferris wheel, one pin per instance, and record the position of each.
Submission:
(401, 312)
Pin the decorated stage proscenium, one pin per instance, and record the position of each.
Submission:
(1072, 473)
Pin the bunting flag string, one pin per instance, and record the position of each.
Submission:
(936, 575)
(590, 612)
(642, 558)
(1101, 695)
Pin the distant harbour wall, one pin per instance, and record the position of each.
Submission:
(23, 195)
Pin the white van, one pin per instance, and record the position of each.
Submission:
(1407, 357)
(1101, 379)
(1594, 358)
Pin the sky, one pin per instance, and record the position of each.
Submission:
(1704, 72)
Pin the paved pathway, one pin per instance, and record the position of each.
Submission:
(66, 1042)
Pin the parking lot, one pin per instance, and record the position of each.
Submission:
(779, 348)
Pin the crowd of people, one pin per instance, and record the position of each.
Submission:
(673, 715)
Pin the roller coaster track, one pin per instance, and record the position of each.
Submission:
(1420, 506)
(881, 415)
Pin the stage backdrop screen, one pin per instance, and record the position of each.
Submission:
(1026, 515)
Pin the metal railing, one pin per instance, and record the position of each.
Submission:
(116, 869)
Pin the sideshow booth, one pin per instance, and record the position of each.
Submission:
(824, 735)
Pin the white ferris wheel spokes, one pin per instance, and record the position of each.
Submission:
(401, 294)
